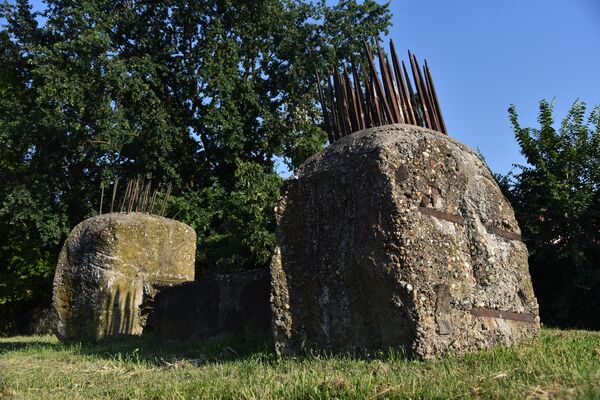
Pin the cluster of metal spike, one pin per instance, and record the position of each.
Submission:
(391, 99)
(138, 197)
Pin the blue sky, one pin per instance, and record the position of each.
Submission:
(485, 55)
(488, 54)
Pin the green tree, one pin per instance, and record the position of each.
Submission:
(556, 197)
(200, 94)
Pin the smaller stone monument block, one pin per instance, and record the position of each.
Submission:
(110, 268)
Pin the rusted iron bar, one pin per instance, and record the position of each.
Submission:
(132, 195)
(508, 315)
(124, 199)
(370, 99)
(377, 109)
(114, 193)
(503, 233)
(352, 108)
(395, 92)
(406, 100)
(101, 197)
(144, 207)
(366, 123)
(342, 107)
(428, 99)
(165, 200)
(387, 86)
(149, 199)
(153, 201)
(138, 196)
(432, 108)
(324, 110)
(362, 97)
(436, 100)
(142, 200)
(457, 219)
(340, 104)
(334, 118)
(420, 91)
(378, 86)
(413, 98)
(359, 106)
(346, 104)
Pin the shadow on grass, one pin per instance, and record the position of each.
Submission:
(18, 344)
(143, 349)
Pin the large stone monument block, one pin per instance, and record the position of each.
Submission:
(110, 268)
(398, 236)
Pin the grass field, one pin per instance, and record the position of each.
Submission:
(559, 364)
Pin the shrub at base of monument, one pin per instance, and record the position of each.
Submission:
(234, 304)
(110, 268)
(398, 236)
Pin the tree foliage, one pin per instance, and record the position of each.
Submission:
(556, 197)
(201, 94)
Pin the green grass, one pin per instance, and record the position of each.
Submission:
(559, 364)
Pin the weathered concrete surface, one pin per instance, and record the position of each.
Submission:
(234, 304)
(398, 236)
(111, 266)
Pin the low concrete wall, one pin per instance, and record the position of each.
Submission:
(216, 305)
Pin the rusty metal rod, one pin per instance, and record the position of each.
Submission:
(334, 117)
(437, 102)
(413, 99)
(420, 91)
(431, 103)
(324, 109)
(101, 197)
(153, 201)
(165, 200)
(340, 104)
(352, 107)
(114, 193)
(361, 98)
(378, 86)
(124, 199)
(370, 99)
(387, 86)
(427, 97)
(406, 101)
(384, 96)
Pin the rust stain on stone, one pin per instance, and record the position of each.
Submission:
(510, 315)
(502, 233)
(442, 309)
(457, 219)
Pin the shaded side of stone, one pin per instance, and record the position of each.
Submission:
(334, 287)
(234, 304)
